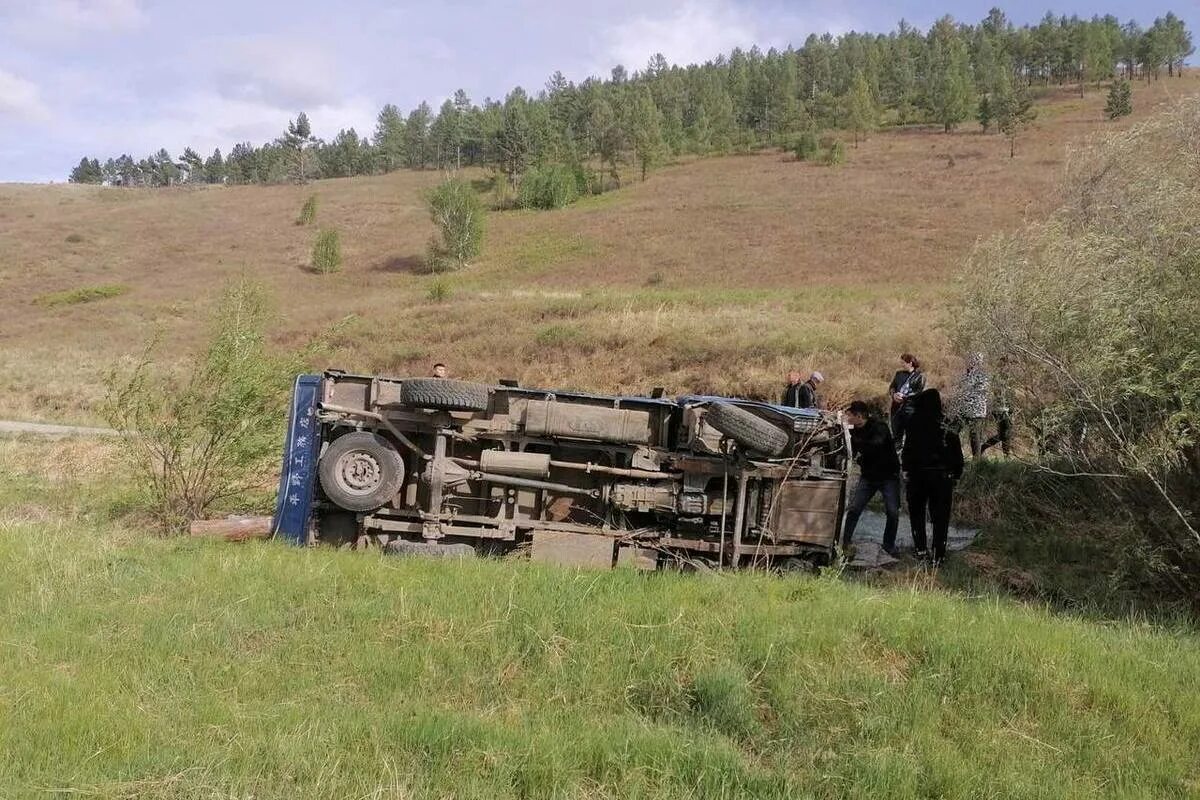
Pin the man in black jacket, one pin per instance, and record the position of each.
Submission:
(791, 392)
(933, 462)
(908, 382)
(872, 447)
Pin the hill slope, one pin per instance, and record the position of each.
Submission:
(714, 275)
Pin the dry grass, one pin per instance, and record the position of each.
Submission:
(714, 275)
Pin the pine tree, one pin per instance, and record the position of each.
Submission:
(416, 136)
(87, 171)
(1013, 111)
(646, 128)
(984, 114)
(296, 142)
(192, 165)
(389, 137)
(514, 142)
(214, 167)
(861, 112)
(162, 168)
(948, 90)
(446, 136)
(608, 138)
(1120, 99)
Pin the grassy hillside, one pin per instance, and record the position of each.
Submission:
(174, 669)
(713, 275)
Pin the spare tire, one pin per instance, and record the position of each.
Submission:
(360, 471)
(444, 395)
(751, 432)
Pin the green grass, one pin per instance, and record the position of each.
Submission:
(540, 251)
(1061, 541)
(82, 294)
(137, 667)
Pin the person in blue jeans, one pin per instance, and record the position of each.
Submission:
(873, 449)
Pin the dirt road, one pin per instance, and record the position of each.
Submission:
(14, 428)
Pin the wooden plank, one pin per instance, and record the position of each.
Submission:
(637, 558)
(573, 549)
(232, 529)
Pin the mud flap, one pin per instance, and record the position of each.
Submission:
(293, 507)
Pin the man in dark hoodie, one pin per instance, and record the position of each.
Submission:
(872, 447)
(933, 461)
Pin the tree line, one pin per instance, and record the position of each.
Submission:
(746, 99)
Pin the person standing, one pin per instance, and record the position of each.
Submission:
(1002, 416)
(808, 397)
(971, 401)
(791, 392)
(908, 382)
(873, 449)
(933, 461)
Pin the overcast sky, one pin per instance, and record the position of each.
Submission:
(103, 77)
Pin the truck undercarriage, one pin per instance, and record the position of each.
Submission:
(431, 465)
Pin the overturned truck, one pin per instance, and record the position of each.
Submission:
(443, 466)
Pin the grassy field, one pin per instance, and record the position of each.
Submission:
(146, 668)
(714, 275)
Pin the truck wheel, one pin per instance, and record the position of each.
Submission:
(443, 395)
(361, 471)
(751, 432)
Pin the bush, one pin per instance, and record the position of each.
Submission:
(836, 154)
(1091, 316)
(457, 212)
(74, 238)
(1120, 100)
(548, 187)
(438, 291)
(807, 147)
(502, 193)
(308, 211)
(208, 435)
(327, 252)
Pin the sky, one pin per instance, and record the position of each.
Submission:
(105, 77)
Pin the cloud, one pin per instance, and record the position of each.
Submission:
(696, 31)
(203, 119)
(95, 15)
(48, 20)
(276, 71)
(692, 33)
(20, 99)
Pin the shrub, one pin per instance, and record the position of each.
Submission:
(1120, 100)
(1090, 316)
(84, 294)
(438, 291)
(836, 154)
(807, 147)
(502, 193)
(587, 181)
(308, 211)
(74, 238)
(206, 435)
(327, 252)
(548, 187)
(459, 216)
